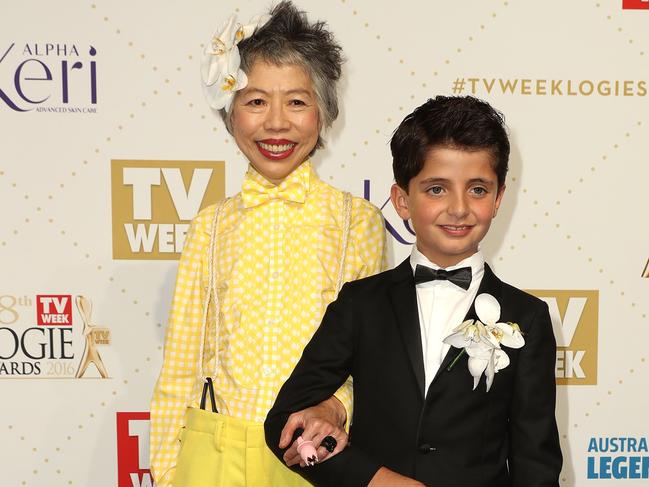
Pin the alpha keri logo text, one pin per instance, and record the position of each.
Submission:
(48, 77)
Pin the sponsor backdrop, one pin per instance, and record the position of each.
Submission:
(108, 150)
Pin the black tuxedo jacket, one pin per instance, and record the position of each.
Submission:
(448, 436)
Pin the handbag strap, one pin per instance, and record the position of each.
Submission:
(347, 219)
(208, 387)
(211, 294)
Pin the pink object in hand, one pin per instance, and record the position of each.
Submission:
(307, 451)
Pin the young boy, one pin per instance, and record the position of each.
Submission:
(426, 412)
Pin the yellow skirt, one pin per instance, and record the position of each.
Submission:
(222, 451)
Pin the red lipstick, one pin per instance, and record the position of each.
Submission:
(275, 149)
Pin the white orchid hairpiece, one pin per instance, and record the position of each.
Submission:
(481, 340)
(221, 60)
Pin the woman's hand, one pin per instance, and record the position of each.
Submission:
(325, 419)
(385, 477)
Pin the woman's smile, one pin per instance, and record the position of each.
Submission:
(275, 119)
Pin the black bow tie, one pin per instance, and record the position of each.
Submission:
(460, 277)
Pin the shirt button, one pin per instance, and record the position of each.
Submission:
(276, 227)
(426, 448)
(274, 275)
(266, 370)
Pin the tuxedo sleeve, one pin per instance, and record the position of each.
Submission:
(535, 455)
(325, 364)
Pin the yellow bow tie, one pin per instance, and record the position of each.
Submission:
(256, 190)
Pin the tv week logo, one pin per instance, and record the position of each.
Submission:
(635, 4)
(133, 450)
(154, 202)
(574, 317)
(54, 310)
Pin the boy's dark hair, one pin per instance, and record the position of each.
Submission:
(461, 122)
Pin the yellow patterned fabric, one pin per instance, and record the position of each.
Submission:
(276, 264)
(257, 190)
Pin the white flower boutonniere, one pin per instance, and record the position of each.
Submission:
(481, 340)
(221, 60)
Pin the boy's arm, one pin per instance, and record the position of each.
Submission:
(535, 455)
(324, 366)
(368, 257)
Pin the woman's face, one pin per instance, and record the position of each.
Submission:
(275, 119)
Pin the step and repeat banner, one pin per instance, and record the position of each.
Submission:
(108, 150)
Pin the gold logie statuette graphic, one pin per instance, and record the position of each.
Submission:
(645, 273)
(94, 336)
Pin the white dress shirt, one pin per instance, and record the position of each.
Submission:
(442, 306)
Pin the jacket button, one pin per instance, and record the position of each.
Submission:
(426, 448)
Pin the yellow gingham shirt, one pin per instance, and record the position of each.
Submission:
(277, 260)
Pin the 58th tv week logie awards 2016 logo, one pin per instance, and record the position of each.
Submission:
(47, 337)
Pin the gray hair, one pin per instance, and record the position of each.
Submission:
(289, 38)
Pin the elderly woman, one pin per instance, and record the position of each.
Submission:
(259, 268)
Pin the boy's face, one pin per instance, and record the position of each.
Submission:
(450, 203)
(275, 119)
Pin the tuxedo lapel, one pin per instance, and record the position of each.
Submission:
(403, 297)
(490, 284)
